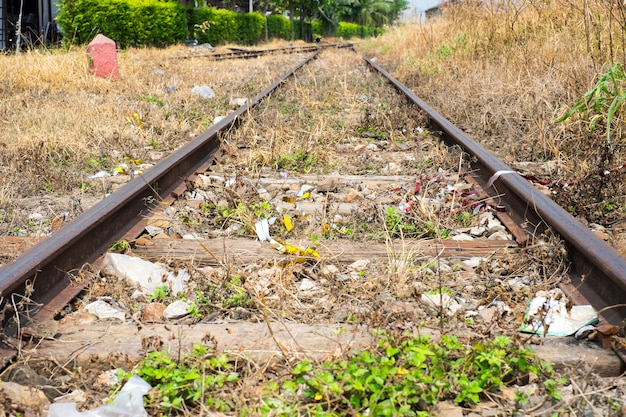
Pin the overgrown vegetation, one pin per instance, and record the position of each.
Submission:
(199, 377)
(398, 376)
(135, 23)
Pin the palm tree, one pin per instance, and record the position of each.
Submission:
(374, 12)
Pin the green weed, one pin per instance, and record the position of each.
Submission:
(404, 377)
(398, 225)
(301, 161)
(159, 294)
(603, 103)
(197, 378)
(120, 246)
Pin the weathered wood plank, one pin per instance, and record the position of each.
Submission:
(123, 344)
(244, 251)
(127, 343)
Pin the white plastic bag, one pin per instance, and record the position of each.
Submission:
(127, 403)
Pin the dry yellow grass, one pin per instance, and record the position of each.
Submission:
(505, 74)
(59, 122)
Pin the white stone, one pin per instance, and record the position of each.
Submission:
(306, 284)
(104, 310)
(203, 91)
(35, 217)
(472, 262)
(176, 310)
(477, 231)
(146, 275)
(462, 236)
(500, 235)
(329, 270)
(358, 266)
(238, 102)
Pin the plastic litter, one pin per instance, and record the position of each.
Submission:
(263, 233)
(127, 403)
(549, 314)
(203, 91)
(146, 275)
(101, 174)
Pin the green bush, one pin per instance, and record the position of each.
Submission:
(251, 26)
(278, 26)
(161, 23)
(223, 25)
(406, 377)
(318, 28)
(127, 22)
(347, 30)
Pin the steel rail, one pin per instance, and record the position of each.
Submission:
(247, 54)
(599, 271)
(49, 267)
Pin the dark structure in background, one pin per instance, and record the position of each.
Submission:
(38, 25)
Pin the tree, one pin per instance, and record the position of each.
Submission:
(374, 12)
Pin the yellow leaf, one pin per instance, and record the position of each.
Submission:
(288, 223)
(318, 396)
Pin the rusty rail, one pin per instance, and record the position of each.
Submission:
(599, 271)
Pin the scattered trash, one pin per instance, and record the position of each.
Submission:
(104, 310)
(238, 102)
(585, 332)
(101, 174)
(495, 176)
(305, 191)
(262, 228)
(549, 314)
(128, 402)
(288, 222)
(146, 275)
(203, 91)
(334, 227)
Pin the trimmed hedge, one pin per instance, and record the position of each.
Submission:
(127, 22)
(278, 26)
(162, 22)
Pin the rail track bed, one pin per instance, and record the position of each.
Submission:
(333, 206)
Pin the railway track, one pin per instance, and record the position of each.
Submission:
(395, 200)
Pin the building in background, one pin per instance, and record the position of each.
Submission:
(37, 26)
(417, 9)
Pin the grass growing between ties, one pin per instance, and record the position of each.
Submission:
(405, 377)
(198, 378)
(400, 376)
